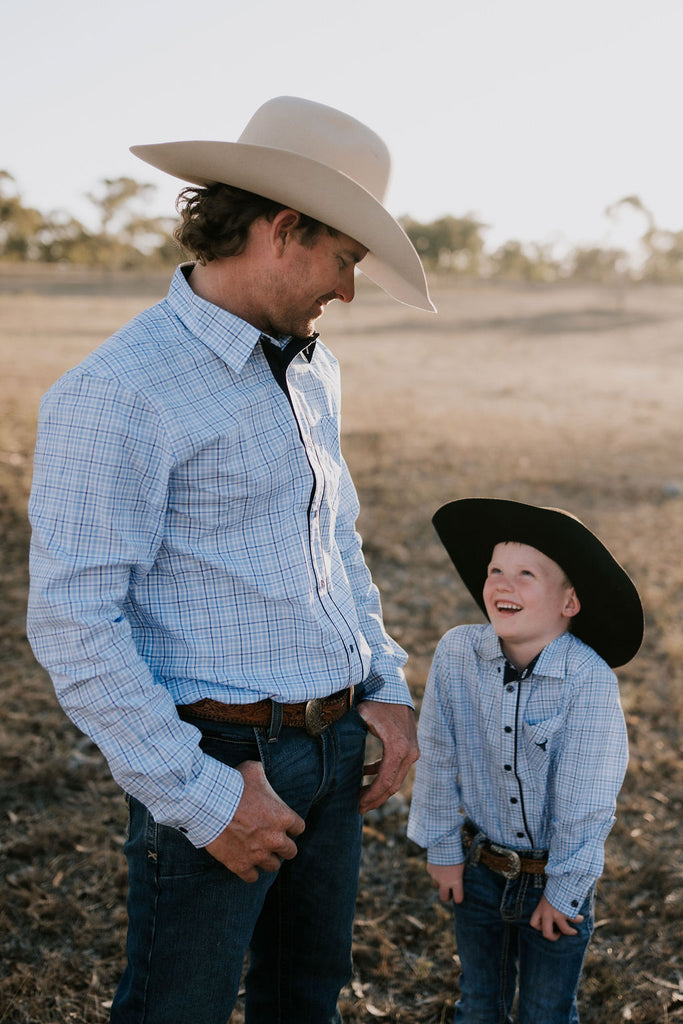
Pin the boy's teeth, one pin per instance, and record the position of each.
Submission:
(503, 607)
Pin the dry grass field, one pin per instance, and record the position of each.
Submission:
(567, 396)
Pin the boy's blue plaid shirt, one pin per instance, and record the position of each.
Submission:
(192, 538)
(536, 763)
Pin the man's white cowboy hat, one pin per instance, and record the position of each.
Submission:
(321, 162)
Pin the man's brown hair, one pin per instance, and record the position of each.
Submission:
(215, 221)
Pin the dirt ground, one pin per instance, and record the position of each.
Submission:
(566, 396)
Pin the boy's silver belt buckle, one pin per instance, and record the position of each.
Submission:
(515, 868)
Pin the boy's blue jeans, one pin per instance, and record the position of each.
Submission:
(191, 921)
(498, 948)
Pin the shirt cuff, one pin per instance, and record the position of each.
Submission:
(208, 803)
(447, 851)
(568, 894)
(384, 692)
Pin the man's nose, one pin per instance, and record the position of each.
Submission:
(346, 288)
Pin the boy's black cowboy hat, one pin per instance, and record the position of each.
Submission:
(611, 616)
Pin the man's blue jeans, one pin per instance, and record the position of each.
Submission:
(498, 948)
(191, 921)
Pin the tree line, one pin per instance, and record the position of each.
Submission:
(125, 238)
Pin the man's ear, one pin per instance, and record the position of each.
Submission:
(572, 605)
(282, 229)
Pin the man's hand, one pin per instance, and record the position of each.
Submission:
(394, 726)
(259, 835)
(551, 922)
(447, 878)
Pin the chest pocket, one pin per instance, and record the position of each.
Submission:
(542, 741)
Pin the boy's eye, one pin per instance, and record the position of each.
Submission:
(527, 572)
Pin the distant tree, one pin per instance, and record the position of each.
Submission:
(664, 262)
(604, 266)
(63, 239)
(128, 236)
(450, 243)
(19, 224)
(517, 261)
(632, 203)
(115, 198)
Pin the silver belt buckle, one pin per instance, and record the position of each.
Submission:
(313, 717)
(515, 868)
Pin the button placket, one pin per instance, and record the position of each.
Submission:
(315, 532)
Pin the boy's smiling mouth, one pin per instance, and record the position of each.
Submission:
(507, 606)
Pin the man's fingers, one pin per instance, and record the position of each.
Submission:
(377, 793)
(296, 825)
(262, 830)
(394, 726)
(287, 849)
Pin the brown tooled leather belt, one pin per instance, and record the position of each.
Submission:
(501, 859)
(312, 715)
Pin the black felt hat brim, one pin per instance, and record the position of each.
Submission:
(611, 616)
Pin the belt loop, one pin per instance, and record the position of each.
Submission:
(474, 852)
(276, 713)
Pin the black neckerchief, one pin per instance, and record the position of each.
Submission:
(515, 675)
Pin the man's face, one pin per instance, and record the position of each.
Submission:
(528, 598)
(306, 278)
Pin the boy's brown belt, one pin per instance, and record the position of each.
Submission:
(312, 715)
(501, 859)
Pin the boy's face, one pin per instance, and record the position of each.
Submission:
(528, 599)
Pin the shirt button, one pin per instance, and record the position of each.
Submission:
(510, 689)
(508, 728)
(520, 835)
(507, 767)
(575, 903)
(513, 799)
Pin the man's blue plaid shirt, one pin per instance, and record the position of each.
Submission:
(535, 763)
(194, 537)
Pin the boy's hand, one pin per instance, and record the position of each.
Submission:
(551, 922)
(447, 878)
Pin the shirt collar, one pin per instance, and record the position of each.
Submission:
(553, 658)
(550, 661)
(231, 338)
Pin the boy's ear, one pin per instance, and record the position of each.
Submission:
(572, 605)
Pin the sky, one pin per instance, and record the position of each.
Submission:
(534, 116)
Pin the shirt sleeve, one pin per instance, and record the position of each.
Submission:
(590, 770)
(385, 681)
(435, 820)
(97, 508)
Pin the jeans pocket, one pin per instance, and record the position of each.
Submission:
(175, 855)
(231, 745)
